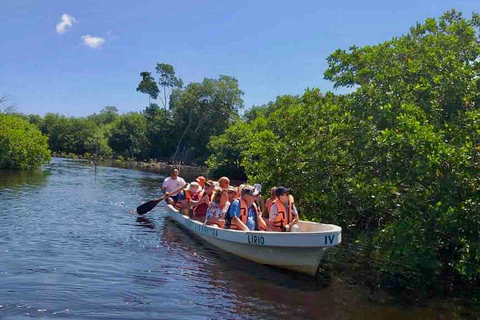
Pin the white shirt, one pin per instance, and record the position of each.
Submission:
(170, 185)
(274, 212)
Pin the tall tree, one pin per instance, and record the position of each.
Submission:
(148, 86)
(167, 80)
(204, 109)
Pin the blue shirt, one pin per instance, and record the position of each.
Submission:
(234, 210)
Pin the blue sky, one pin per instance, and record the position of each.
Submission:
(94, 55)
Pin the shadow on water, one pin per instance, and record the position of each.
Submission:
(266, 292)
(146, 223)
(257, 289)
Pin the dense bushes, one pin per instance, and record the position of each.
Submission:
(22, 145)
(396, 156)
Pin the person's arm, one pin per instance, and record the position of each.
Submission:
(239, 223)
(262, 225)
(295, 218)
(164, 186)
(271, 218)
(194, 203)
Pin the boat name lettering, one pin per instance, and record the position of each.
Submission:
(259, 240)
(330, 239)
(208, 231)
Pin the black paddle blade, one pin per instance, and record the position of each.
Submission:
(147, 206)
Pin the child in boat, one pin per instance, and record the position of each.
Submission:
(217, 209)
(283, 213)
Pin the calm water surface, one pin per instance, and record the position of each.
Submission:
(70, 247)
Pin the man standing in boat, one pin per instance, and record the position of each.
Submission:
(283, 213)
(170, 184)
(243, 213)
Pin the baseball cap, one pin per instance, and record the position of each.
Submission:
(281, 190)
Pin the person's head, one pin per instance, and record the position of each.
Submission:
(231, 192)
(209, 187)
(201, 181)
(239, 189)
(249, 194)
(174, 173)
(220, 195)
(224, 182)
(194, 187)
(272, 192)
(258, 186)
(282, 193)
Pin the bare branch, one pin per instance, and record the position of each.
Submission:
(7, 108)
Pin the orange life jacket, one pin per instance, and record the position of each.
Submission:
(188, 196)
(268, 204)
(282, 218)
(244, 213)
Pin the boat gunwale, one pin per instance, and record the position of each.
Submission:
(308, 235)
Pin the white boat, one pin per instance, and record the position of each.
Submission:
(298, 251)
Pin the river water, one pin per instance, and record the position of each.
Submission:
(72, 248)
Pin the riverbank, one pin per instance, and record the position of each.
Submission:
(188, 171)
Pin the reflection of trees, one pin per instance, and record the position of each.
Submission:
(246, 288)
(18, 178)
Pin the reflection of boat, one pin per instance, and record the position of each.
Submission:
(298, 251)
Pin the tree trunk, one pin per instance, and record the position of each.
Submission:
(182, 136)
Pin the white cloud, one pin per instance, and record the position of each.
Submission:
(66, 22)
(93, 42)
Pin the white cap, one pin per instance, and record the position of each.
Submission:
(258, 186)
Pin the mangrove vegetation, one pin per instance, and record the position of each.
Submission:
(398, 156)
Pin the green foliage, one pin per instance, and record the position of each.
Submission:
(201, 110)
(128, 136)
(22, 145)
(148, 85)
(396, 156)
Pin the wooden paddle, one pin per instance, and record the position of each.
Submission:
(147, 206)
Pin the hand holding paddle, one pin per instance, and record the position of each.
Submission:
(147, 206)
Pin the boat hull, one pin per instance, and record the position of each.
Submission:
(296, 251)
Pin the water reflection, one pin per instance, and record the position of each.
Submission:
(18, 178)
(253, 289)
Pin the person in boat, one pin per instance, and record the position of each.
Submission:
(283, 213)
(259, 200)
(224, 182)
(269, 202)
(231, 193)
(170, 184)
(243, 213)
(217, 209)
(200, 206)
(201, 181)
(239, 190)
(190, 193)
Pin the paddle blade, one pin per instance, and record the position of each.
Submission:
(147, 206)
